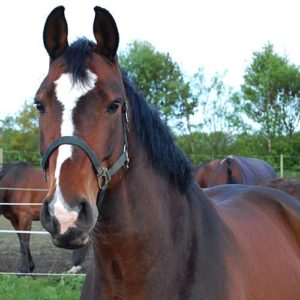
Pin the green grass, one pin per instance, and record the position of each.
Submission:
(49, 288)
(291, 174)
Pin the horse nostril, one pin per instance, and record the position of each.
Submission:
(84, 214)
(47, 220)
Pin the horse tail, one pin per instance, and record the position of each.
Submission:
(230, 178)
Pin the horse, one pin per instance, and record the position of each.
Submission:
(204, 172)
(242, 170)
(24, 183)
(118, 181)
(290, 186)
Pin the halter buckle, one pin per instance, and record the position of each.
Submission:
(103, 178)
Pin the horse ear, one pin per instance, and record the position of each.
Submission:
(106, 33)
(56, 33)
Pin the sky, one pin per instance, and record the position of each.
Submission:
(217, 35)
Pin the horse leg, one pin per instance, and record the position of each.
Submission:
(78, 257)
(27, 264)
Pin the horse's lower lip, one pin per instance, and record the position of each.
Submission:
(73, 244)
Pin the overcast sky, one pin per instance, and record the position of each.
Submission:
(215, 34)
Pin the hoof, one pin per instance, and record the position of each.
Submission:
(74, 270)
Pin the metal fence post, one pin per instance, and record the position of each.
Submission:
(281, 165)
(1, 158)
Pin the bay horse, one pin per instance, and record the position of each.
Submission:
(290, 186)
(242, 170)
(117, 179)
(205, 171)
(24, 183)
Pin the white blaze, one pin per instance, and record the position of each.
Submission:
(67, 95)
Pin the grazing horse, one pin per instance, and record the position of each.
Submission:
(242, 170)
(116, 178)
(204, 172)
(24, 183)
(290, 186)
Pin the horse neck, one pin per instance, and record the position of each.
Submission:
(141, 220)
(142, 197)
(148, 232)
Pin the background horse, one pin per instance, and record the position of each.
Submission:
(205, 171)
(117, 178)
(242, 170)
(290, 186)
(24, 183)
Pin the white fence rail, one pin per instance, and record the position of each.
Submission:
(41, 274)
(23, 231)
(29, 232)
(23, 189)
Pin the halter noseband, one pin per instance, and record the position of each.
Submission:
(103, 174)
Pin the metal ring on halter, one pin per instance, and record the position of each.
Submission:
(103, 178)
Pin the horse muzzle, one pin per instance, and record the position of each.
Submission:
(69, 227)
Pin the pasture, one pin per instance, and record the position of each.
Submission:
(48, 259)
(50, 288)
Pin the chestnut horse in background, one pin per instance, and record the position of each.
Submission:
(236, 169)
(117, 178)
(205, 171)
(24, 183)
(290, 186)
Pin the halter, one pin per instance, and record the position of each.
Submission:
(103, 174)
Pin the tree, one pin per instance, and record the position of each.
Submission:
(19, 135)
(215, 108)
(270, 94)
(159, 78)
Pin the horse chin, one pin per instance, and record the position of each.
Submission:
(72, 239)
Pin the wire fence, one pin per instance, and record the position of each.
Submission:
(23, 189)
(41, 274)
(34, 232)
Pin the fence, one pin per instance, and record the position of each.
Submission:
(284, 165)
(7, 156)
(34, 232)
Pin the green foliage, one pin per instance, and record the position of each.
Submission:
(207, 146)
(214, 98)
(159, 78)
(217, 113)
(270, 94)
(19, 135)
(243, 144)
(49, 288)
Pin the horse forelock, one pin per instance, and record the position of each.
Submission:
(75, 58)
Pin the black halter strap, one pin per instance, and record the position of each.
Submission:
(103, 174)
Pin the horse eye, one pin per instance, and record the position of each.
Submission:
(40, 107)
(114, 106)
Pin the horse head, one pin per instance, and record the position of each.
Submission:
(83, 126)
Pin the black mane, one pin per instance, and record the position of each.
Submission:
(152, 133)
(156, 138)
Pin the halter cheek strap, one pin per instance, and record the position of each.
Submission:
(103, 174)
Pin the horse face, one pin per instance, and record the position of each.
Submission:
(83, 96)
